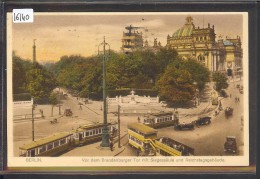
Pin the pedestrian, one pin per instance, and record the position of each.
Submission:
(238, 99)
(230, 95)
(138, 119)
(216, 113)
(111, 146)
(80, 107)
(195, 103)
(137, 152)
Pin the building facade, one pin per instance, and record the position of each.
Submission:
(200, 44)
(132, 39)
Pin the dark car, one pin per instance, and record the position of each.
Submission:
(189, 126)
(202, 121)
(228, 111)
(223, 93)
(230, 144)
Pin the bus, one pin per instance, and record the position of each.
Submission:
(141, 137)
(214, 98)
(49, 146)
(168, 147)
(161, 119)
(90, 133)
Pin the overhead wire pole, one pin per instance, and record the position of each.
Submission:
(105, 130)
(118, 115)
(33, 106)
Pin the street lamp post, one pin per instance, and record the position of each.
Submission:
(59, 102)
(33, 107)
(105, 130)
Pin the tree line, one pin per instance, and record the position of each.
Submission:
(163, 73)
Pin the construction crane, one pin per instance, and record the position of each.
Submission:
(130, 28)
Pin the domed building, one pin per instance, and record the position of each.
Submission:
(200, 44)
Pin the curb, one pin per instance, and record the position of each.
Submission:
(120, 152)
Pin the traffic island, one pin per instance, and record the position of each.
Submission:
(108, 151)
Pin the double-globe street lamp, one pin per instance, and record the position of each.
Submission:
(105, 130)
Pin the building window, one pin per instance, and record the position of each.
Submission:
(201, 59)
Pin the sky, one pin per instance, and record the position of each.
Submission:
(62, 34)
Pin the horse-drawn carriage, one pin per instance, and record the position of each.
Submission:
(54, 121)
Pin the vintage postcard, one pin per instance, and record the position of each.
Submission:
(127, 89)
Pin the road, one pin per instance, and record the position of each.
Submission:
(209, 140)
(206, 140)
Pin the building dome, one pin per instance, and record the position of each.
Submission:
(186, 30)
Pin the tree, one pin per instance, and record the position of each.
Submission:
(164, 57)
(175, 85)
(220, 80)
(40, 83)
(199, 73)
(20, 67)
(53, 100)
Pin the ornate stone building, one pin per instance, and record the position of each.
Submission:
(200, 44)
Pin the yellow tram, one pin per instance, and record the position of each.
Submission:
(49, 146)
(140, 137)
(168, 147)
(145, 140)
(61, 142)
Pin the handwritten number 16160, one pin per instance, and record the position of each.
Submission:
(20, 17)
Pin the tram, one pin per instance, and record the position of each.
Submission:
(59, 143)
(90, 133)
(214, 98)
(161, 119)
(49, 146)
(168, 147)
(140, 137)
(145, 140)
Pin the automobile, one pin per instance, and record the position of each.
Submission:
(223, 93)
(228, 111)
(184, 126)
(163, 103)
(68, 112)
(202, 121)
(230, 144)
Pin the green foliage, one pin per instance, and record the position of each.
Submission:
(39, 83)
(22, 97)
(199, 73)
(138, 70)
(31, 79)
(175, 85)
(220, 80)
(20, 67)
(53, 99)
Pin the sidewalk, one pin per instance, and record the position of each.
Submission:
(94, 149)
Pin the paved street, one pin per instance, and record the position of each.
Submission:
(206, 140)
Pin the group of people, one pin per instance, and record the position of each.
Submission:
(237, 100)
